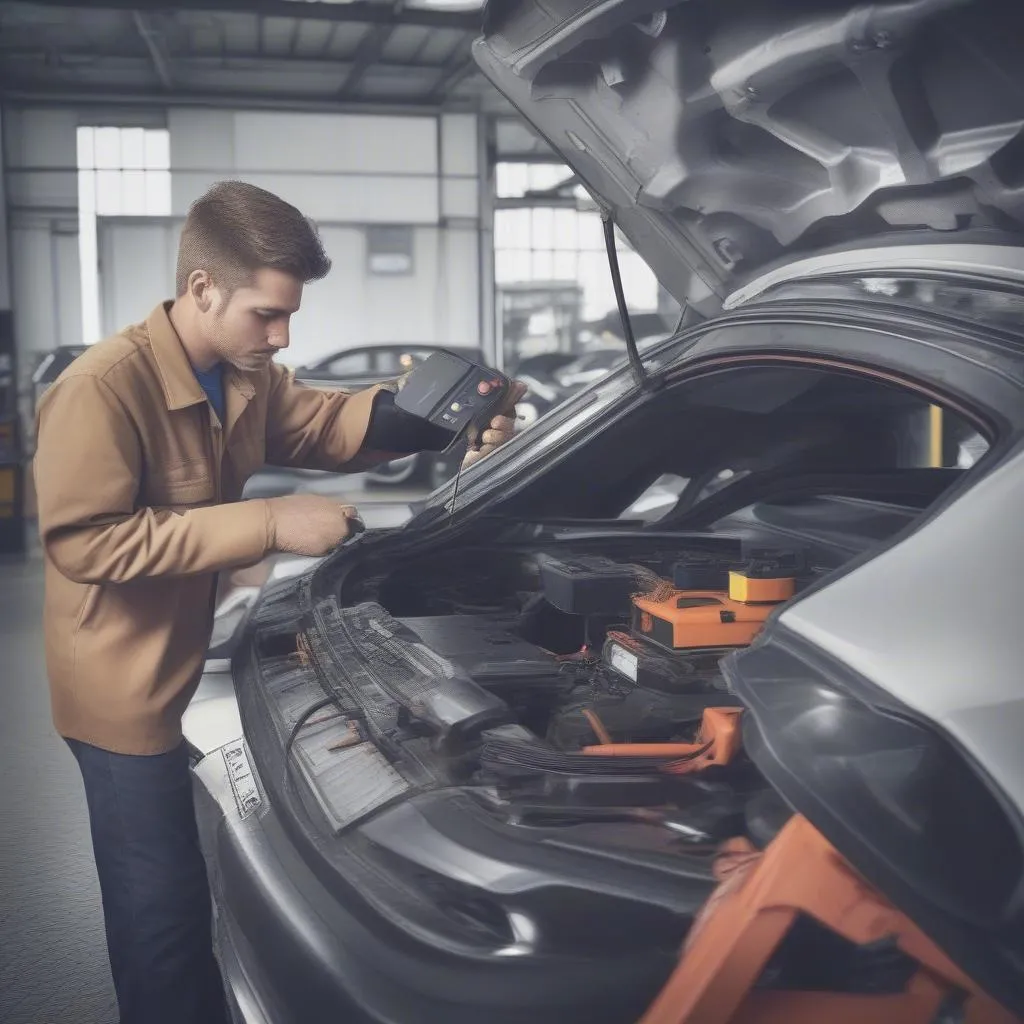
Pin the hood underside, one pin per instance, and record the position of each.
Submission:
(728, 137)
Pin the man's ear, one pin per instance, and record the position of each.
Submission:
(202, 290)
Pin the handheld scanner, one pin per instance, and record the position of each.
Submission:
(453, 393)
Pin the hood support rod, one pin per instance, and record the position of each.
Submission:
(620, 298)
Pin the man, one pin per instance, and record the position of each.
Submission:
(144, 445)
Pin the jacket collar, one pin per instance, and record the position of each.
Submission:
(181, 389)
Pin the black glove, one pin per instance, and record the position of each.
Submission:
(394, 430)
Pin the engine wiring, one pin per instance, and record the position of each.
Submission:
(303, 721)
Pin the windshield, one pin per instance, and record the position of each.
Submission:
(714, 445)
(719, 441)
(551, 431)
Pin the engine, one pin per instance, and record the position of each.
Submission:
(557, 682)
(602, 668)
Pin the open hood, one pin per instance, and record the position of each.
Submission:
(728, 137)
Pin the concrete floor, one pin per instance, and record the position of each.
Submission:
(53, 956)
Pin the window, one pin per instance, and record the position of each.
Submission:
(547, 235)
(396, 361)
(383, 361)
(350, 363)
(542, 244)
(122, 172)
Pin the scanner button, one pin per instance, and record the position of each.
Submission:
(483, 387)
(456, 406)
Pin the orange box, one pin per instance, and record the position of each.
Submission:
(687, 619)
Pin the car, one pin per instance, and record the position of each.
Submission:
(699, 701)
(363, 366)
(593, 365)
(544, 364)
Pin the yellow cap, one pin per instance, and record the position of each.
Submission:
(753, 590)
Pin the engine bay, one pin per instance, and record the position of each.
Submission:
(636, 644)
(559, 697)
(557, 684)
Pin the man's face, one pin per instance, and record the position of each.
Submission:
(249, 327)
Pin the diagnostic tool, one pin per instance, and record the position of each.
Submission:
(453, 394)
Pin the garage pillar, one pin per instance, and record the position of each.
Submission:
(12, 474)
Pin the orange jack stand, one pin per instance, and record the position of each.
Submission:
(748, 916)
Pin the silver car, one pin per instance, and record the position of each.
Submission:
(485, 763)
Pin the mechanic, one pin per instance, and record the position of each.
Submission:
(143, 446)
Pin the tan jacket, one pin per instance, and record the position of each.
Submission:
(138, 486)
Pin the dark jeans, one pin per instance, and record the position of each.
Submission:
(156, 903)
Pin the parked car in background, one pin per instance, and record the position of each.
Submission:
(597, 362)
(363, 366)
(544, 364)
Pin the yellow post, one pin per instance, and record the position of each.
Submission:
(935, 438)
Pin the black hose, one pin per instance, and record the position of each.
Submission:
(303, 719)
(522, 756)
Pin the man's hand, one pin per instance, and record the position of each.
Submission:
(501, 429)
(309, 524)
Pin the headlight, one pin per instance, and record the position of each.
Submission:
(895, 796)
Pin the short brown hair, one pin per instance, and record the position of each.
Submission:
(236, 229)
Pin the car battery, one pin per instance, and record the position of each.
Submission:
(490, 655)
(652, 668)
(588, 584)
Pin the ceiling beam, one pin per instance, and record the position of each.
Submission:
(155, 44)
(368, 53)
(294, 37)
(329, 39)
(418, 52)
(71, 56)
(457, 69)
(14, 93)
(365, 12)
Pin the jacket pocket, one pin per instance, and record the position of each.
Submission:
(180, 487)
(188, 492)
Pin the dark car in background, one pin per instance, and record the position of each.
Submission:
(363, 366)
(470, 780)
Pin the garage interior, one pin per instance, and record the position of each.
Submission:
(448, 222)
(843, 233)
